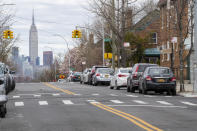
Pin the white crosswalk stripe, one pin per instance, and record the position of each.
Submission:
(91, 100)
(56, 94)
(67, 102)
(37, 95)
(43, 103)
(164, 102)
(139, 102)
(95, 94)
(16, 96)
(116, 101)
(149, 96)
(188, 103)
(113, 95)
(19, 103)
(132, 96)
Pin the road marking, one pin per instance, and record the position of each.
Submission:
(59, 89)
(95, 94)
(91, 100)
(137, 121)
(188, 103)
(140, 102)
(168, 96)
(132, 96)
(149, 96)
(37, 95)
(117, 101)
(164, 102)
(113, 95)
(77, 94)
(16, 96)
(67, 102)
(56, 94)
(147, 106)
(19, 103)
(43, 103)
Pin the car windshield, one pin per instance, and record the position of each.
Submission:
(158, 71)
(77, 73)
(107, 71)
(125, 70)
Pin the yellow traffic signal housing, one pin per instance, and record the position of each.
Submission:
(5, 36)
(76, 34)
(105, 56)
(11, 35)
(8, 34)
(73, 34)
(80, 34)
(109, 55)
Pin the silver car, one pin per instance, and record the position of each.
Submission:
(102, 75)
(84, 76)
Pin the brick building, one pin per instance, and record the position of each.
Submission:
(169, 40)
(149, 26)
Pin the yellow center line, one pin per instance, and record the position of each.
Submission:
(132, 120)
(56, 88)
(138, 119)
(139, 122)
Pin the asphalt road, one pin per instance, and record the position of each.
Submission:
(75, 107)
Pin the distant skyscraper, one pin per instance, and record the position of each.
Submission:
(15, 53)
(38, 61)
(47, 58)
(33, 42)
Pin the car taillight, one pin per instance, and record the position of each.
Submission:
(148, 78)
(93, 71)
(120, 75)
(98, 74)
(173, 79)
(135, 76)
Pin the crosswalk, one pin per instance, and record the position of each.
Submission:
(120, 102)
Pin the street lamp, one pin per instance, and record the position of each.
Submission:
(67, 48)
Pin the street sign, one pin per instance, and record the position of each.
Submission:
(108, 55)
(174, 40)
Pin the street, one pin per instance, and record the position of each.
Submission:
(75, 107)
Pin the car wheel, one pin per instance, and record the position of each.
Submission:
(111, 87)
(128, 89)
(80, 82)
(3, 111)
(132, 88)
(116, 86)
(144, 91)
(173, 92)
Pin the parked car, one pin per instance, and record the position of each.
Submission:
(119, 78)
(158, 79)
(76, 76)
(102, 75)
(133, 79)
(93, 70)
(70, 75)
(3, 98)
(84, 76)
(11, 81)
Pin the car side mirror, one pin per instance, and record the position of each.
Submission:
(130, 71)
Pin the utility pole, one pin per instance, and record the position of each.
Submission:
(113, 36)
(103, 31)
(195, 48)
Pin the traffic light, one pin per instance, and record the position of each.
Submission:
(8, 34)
(5, 34)
(77, 34)
(11, 35)
(73, 34)
(80, 34)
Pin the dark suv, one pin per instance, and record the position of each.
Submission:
(93, 70)
(137, 71)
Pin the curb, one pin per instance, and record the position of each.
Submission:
(190, 95)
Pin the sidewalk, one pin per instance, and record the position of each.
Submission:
(188, 91)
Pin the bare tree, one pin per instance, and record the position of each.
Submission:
(149, 6)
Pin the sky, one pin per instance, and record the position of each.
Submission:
(51, 17)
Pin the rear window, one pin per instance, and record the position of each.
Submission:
(143, 67)
(108, 71)
(77, 73)
(124, 70)
(158, 71)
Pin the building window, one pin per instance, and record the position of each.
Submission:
(154, 38)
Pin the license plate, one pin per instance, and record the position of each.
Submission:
(106, 76)
(161, 80)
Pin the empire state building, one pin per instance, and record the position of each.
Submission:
(33, 42)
